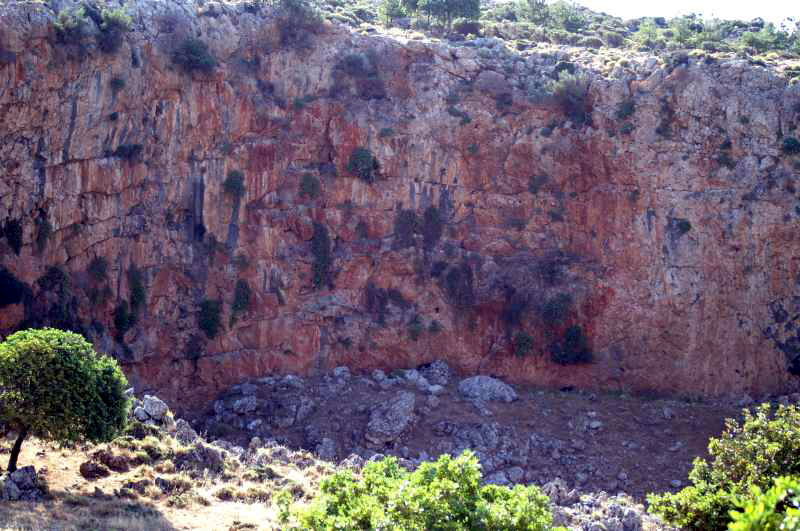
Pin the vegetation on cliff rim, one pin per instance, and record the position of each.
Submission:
(53, 385)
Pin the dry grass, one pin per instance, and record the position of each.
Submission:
(237, 499)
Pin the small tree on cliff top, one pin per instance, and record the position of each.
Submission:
(53, 385)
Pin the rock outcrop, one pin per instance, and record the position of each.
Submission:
(392, 201)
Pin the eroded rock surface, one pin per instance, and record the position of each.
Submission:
(489, 228)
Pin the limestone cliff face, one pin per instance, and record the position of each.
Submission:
(497, 234)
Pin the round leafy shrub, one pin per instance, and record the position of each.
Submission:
(523, 343)
(234, 184)
(776, 509)
(209, 319)
(445, 494)
(193, 56)
(572, 349)
(310, 186)
(321, 249)
(113, 26)
(13, 232)
(53, 385)
(752, 454)
(791, 145)
(363, 164)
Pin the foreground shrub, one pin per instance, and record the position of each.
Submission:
(445, 494)
(53, 385)
(763, 448)
(776, 509)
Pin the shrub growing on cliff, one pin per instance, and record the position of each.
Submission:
(11, 289)
(572, 349)
(363, 164)
(114, 23)
(70, 26)
(13, 233)
(209, 319)
(321, 250)
(234, 184)
(193, 56)
(570, 92)
(298, 20)
(445, 494)
(53, 385)
(791, 146)
(762, 448)
(242, 295)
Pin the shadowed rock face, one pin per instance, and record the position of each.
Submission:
(487, 230)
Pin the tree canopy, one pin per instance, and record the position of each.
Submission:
(53, 385)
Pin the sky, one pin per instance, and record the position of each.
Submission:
(769, 10)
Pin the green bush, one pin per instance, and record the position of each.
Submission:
(752, 454)
(777, 509)
(445, 11)
(129, 152)
(388, 10)
(70, 26)
(310, 186)
(568, 15)
(321, 249)
(298, 20)
(626, 109)
(523, 344)
(432, 227)
(136, 289)
(234, 184)
(98, 269)
(363, 164)
(209, 319)
(445, 494)
(570, 93)
(415, 327)
(405, 225)
(43, 232)
(11, 290)
(13, 232)
(791, 146)
(53, 385)
(242, 296)
(123, 320)
(572, 349)
(193, 56)
(114, 23)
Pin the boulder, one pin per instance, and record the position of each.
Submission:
(155, 407)
(184, 432)
(486, 388)
(388, 420)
